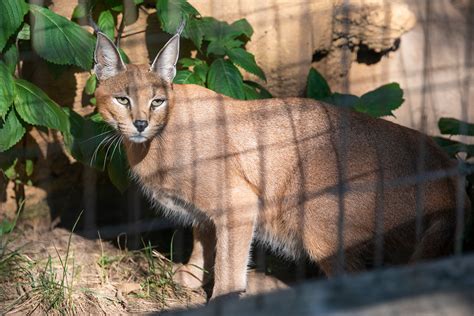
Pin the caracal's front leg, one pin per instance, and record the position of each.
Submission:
(234, 233)
(196, 272)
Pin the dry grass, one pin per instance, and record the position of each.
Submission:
(57, 272)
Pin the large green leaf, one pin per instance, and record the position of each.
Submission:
(201, 71)
(11, 17)
(194, 30)
(242, 27)
(187, 77)
(225, 78)
(11, 132)
(342, 100)
(117, 170)
(250, 92)
(452, 126)
(93, 142)
(189, 62)
(59, 40)
(246, 60)
(381, 101)
(7, 89)
(172, 12)
(317, 87)
(10, 57)
(221, 36)
(74, 134)
(107, 24)
(90, 140)
(219, 48)
(262, 92)
(35, 107)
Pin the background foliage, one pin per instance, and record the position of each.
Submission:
(219, 59)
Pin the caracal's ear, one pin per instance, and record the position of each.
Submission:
(164, 64)
(108, 62)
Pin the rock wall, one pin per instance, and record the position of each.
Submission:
(357, 45)
(433, 64)
(290, 35)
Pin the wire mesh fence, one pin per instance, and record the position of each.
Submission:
(329, 191)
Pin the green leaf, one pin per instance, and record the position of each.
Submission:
(221, 36)
(91, 84)
(10, 57)
(80, 11)
(11, 132)
(25, 32)
(172, 12)
(59, 40)
(10, 172)
(115, 5)
(124, 56)
(187, 77)
(194, 30)
(138, 2)
(262, 92)
(250, 92)
(201, 71)
(452, 147)
(89, 139)
(189, 62)
(246, 60)
(35, 107)
(316, 86)
(216, 48)
(11, 17)
(225, 78)
(219, 48)
(107, 24)
(117, 170)
(7, 89)
(381, 101)
(242, 27)
(342, 100)
(452, 126)
(29, 167)
(74, 134)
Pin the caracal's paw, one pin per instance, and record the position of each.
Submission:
(189, 276)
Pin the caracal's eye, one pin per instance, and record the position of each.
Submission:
(156, 103)
(123, 100)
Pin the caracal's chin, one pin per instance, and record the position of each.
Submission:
(137, 139)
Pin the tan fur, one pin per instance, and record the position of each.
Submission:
(287, 172)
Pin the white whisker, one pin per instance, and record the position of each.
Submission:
(104, 141)
(93, 137)
(108, 148)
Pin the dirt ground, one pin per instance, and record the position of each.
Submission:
(58, 272)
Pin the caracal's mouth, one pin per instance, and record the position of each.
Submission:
(137, 138)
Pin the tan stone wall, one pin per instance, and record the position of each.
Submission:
(288, 33)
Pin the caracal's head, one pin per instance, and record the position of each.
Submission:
(135, 99)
